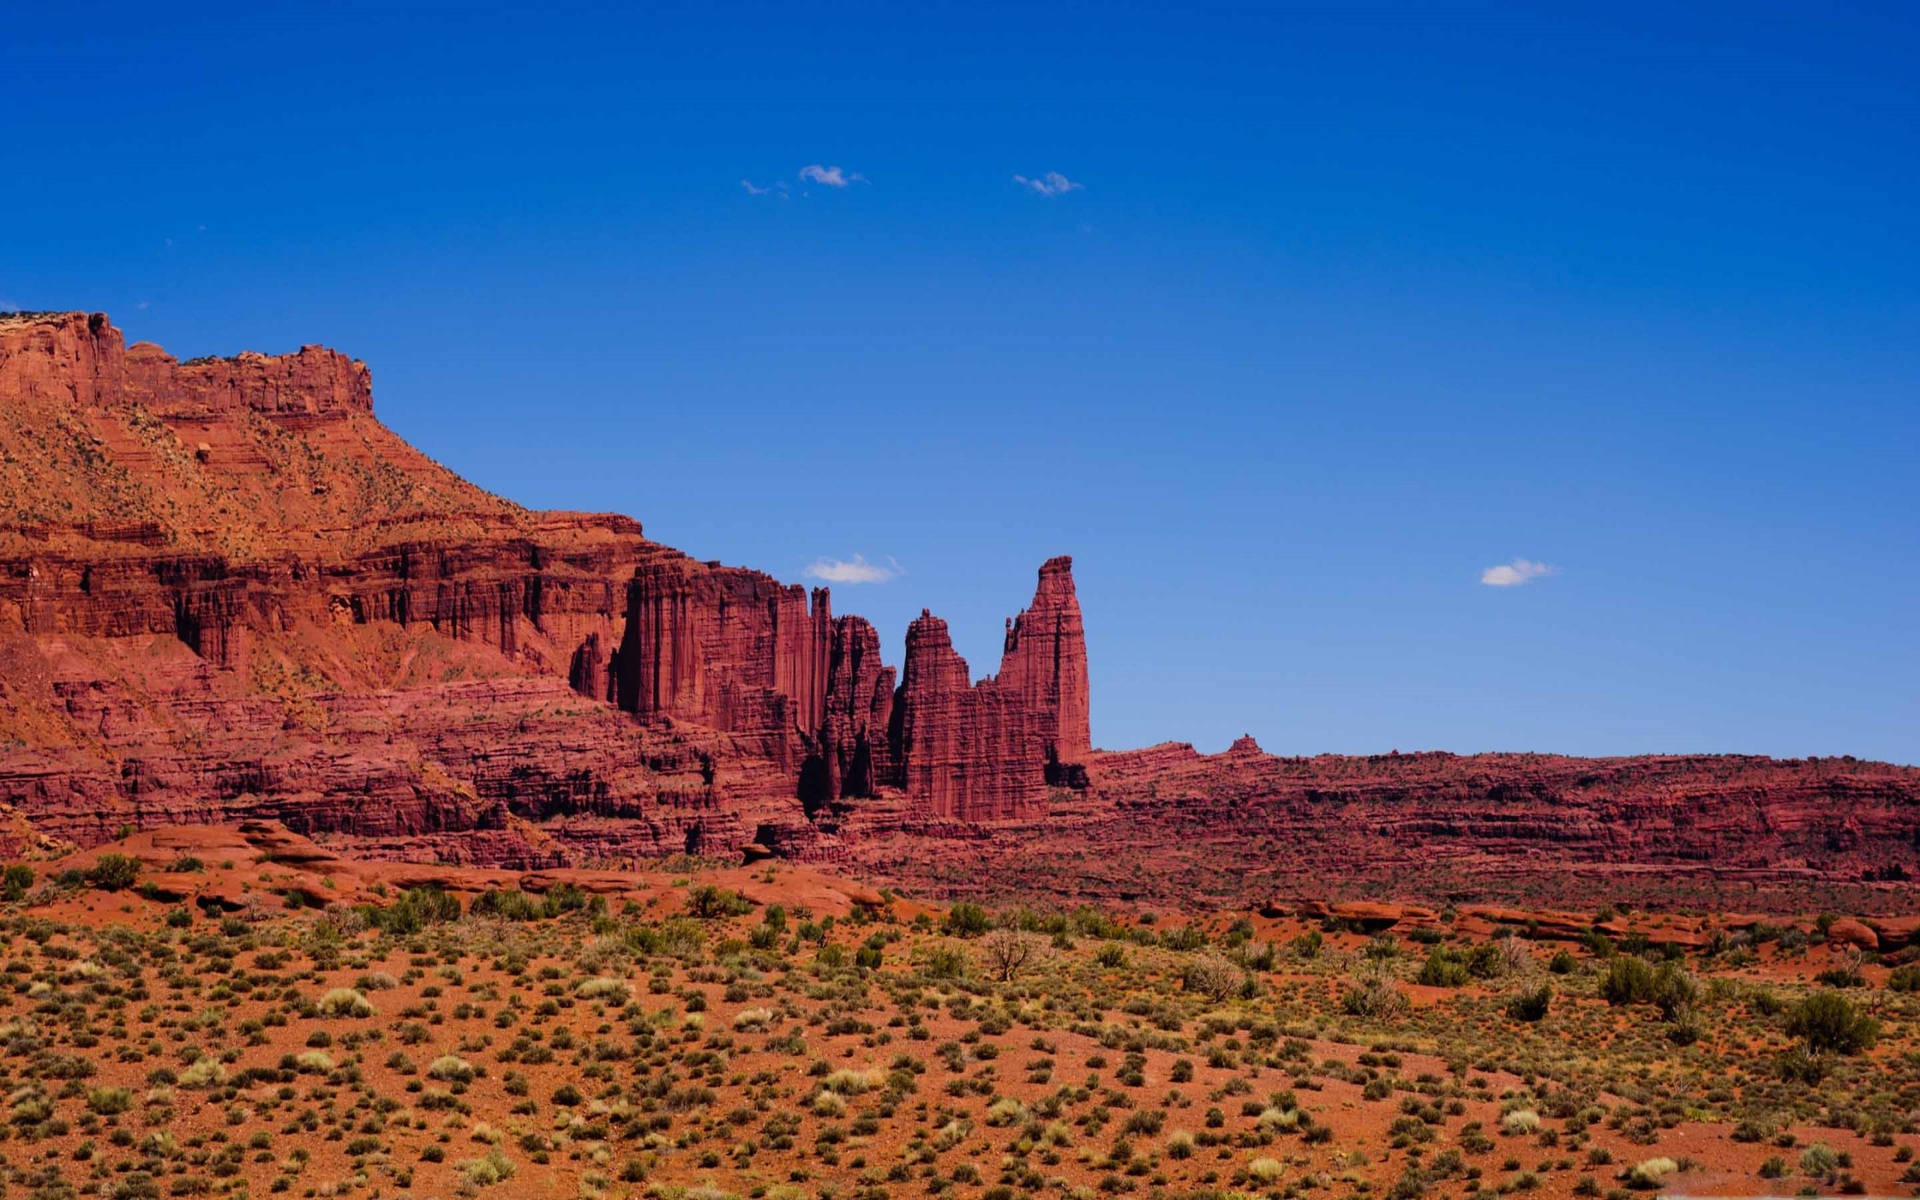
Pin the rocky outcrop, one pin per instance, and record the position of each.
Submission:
(311, 384)
(82, 361)
(966, 751)
(737, 651)
(854, 755)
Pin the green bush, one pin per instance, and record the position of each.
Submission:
(1795, 1065)
(416, 909)
(510, 904)
(451, 1068)
(1186, 937)
(1381, 947)
(1818, 1160)
(1628, 980)
(1486, 961)
(1531, 1005)
(565, 898)
(1443, 968)
(113, 872)
(1828, 1021)
(1675, 991)
(15, 882)
(514, 905)
(109, 1100)
(709, 902)
(968, 920)
(1373, 996)
(490, 1168)
(945, 962)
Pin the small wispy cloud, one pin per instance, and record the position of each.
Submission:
(778, 188)
(832, 177)
(1053, 183)
(1514, 574)
(853, 570)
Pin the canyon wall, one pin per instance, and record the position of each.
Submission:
(255, 511)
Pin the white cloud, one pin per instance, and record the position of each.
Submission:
(832, 177)
(1053, 183)
(853, 570)
(1515, 573)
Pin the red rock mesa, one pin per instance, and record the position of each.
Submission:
(228, 592)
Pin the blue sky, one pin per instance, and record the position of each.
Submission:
(1345, 306)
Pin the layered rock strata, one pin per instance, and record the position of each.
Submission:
(323, 575)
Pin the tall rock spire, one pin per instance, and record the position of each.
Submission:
(1045, 664)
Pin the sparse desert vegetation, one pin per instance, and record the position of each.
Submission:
(739, 1032)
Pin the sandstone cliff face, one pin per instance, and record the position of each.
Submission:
(727, 648)
(254, 512)
(854, 754)
(967, 750)
(737, 651)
